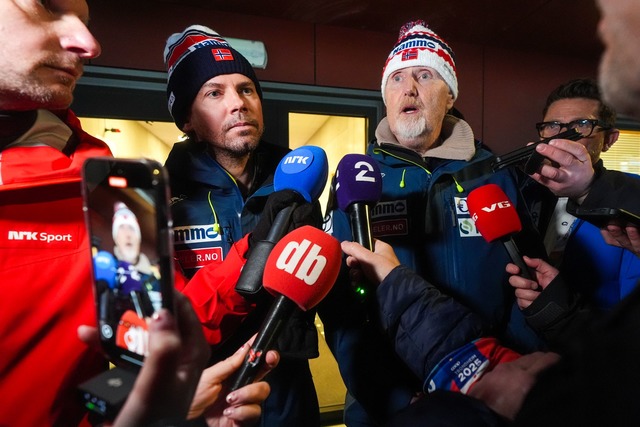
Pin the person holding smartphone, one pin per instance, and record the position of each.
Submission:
(592, 384)
(177, 356)
(46, 279)
(604, 274)
(570, 173)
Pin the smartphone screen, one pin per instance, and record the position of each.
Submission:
(126, 208)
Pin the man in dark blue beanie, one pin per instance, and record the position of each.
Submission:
(223, 200)
(192, 58)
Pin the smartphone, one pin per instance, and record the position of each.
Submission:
(127, 215)
(528, 156)
(601, 217)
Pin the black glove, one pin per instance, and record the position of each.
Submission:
(304, 214)
(263, 238)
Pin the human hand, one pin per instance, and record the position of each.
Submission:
(375, 265)
(526, 290)
(567, 171)
(165, 385)
(625, 237)
(504, 388)
(240, 407)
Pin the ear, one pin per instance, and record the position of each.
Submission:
(187, 127)
(610, 138)
(450, 101)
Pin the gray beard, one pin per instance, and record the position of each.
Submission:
(411, 129)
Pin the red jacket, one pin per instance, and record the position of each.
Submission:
(213, 297)
(45, 287)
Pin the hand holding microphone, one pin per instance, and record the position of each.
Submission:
(299, 272)
(527, 291)
(358, 189)
(298, 182)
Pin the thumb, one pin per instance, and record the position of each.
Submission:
(354, 249)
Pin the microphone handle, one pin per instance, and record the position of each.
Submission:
(516, 258)
(281, 223)
(360, 225)
(250, 281)
(277, 316)
(361, 233)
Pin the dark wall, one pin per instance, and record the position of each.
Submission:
(501, 91)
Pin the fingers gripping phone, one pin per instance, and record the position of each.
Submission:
(128, 219)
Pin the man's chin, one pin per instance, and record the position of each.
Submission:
(244, 146)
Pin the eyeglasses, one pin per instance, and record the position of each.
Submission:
(584, 126)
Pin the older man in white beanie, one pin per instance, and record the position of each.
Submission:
(430, 162)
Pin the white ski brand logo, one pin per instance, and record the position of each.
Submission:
(196, 234)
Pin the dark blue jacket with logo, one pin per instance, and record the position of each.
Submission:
(423, 215)
(210, 214)
(209, 211)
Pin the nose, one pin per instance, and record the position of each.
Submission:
(77, 38)
(409, 87)
(235, 101)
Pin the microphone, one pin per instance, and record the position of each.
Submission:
(105, 268)
(299, 272)
(497, 219)
(358, 188)
(133, 333)
(303, 170)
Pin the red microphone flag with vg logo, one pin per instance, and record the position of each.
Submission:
(494, 214)
(303, 266)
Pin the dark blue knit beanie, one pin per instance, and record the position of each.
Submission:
(193, 57)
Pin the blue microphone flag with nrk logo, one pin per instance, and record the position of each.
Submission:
(303, 170)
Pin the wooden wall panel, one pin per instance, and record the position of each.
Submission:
(469, 65)
(516, 86)
(351, 58)
(138, 42)
(501, 91)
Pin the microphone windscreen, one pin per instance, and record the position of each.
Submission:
(303, 266)
(303, 170)
(104, 268)
(494, 214)
(133, 333)
(358, 180)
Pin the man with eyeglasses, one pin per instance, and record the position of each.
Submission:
(596, 382)
(601, 273)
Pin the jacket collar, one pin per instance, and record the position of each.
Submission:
(36, 128)
(457, 139)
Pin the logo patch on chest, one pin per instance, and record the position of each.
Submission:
(201, 233)
(390, 219)
(196, 258)
(466, 225)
